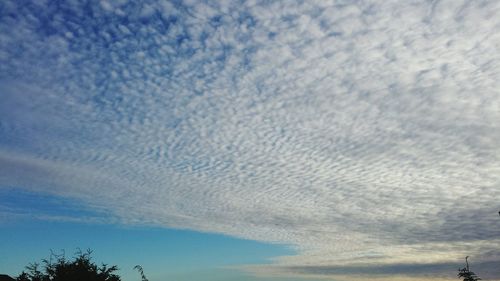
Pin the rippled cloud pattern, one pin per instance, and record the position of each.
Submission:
(366, 134)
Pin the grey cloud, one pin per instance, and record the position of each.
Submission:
(446, 270)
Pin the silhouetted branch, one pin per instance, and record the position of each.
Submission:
(141, 271)
(466, 274)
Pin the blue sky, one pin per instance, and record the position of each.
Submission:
(346, 139)
(43, 225)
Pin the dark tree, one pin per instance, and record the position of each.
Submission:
(81, 268)
(466, 274)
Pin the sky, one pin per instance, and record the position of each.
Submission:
(252, 140)
(165, 254)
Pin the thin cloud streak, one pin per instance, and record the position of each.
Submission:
(348, 130)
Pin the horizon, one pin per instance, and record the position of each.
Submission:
(252, 140)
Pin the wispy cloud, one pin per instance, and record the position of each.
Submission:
(394, 271)
(356, 131)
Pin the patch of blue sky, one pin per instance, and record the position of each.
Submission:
(42, 222)
(164, 253)
(33, 205)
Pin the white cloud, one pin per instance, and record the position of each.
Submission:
(348, 130)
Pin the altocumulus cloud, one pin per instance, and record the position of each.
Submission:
(364, 133)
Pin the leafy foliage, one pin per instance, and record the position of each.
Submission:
(80, 269)
(466, 274)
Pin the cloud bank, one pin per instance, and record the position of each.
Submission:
(360, 132)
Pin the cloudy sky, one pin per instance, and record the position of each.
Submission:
(348, 140)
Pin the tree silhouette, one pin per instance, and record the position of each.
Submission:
(466, 274)
(80, 269)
